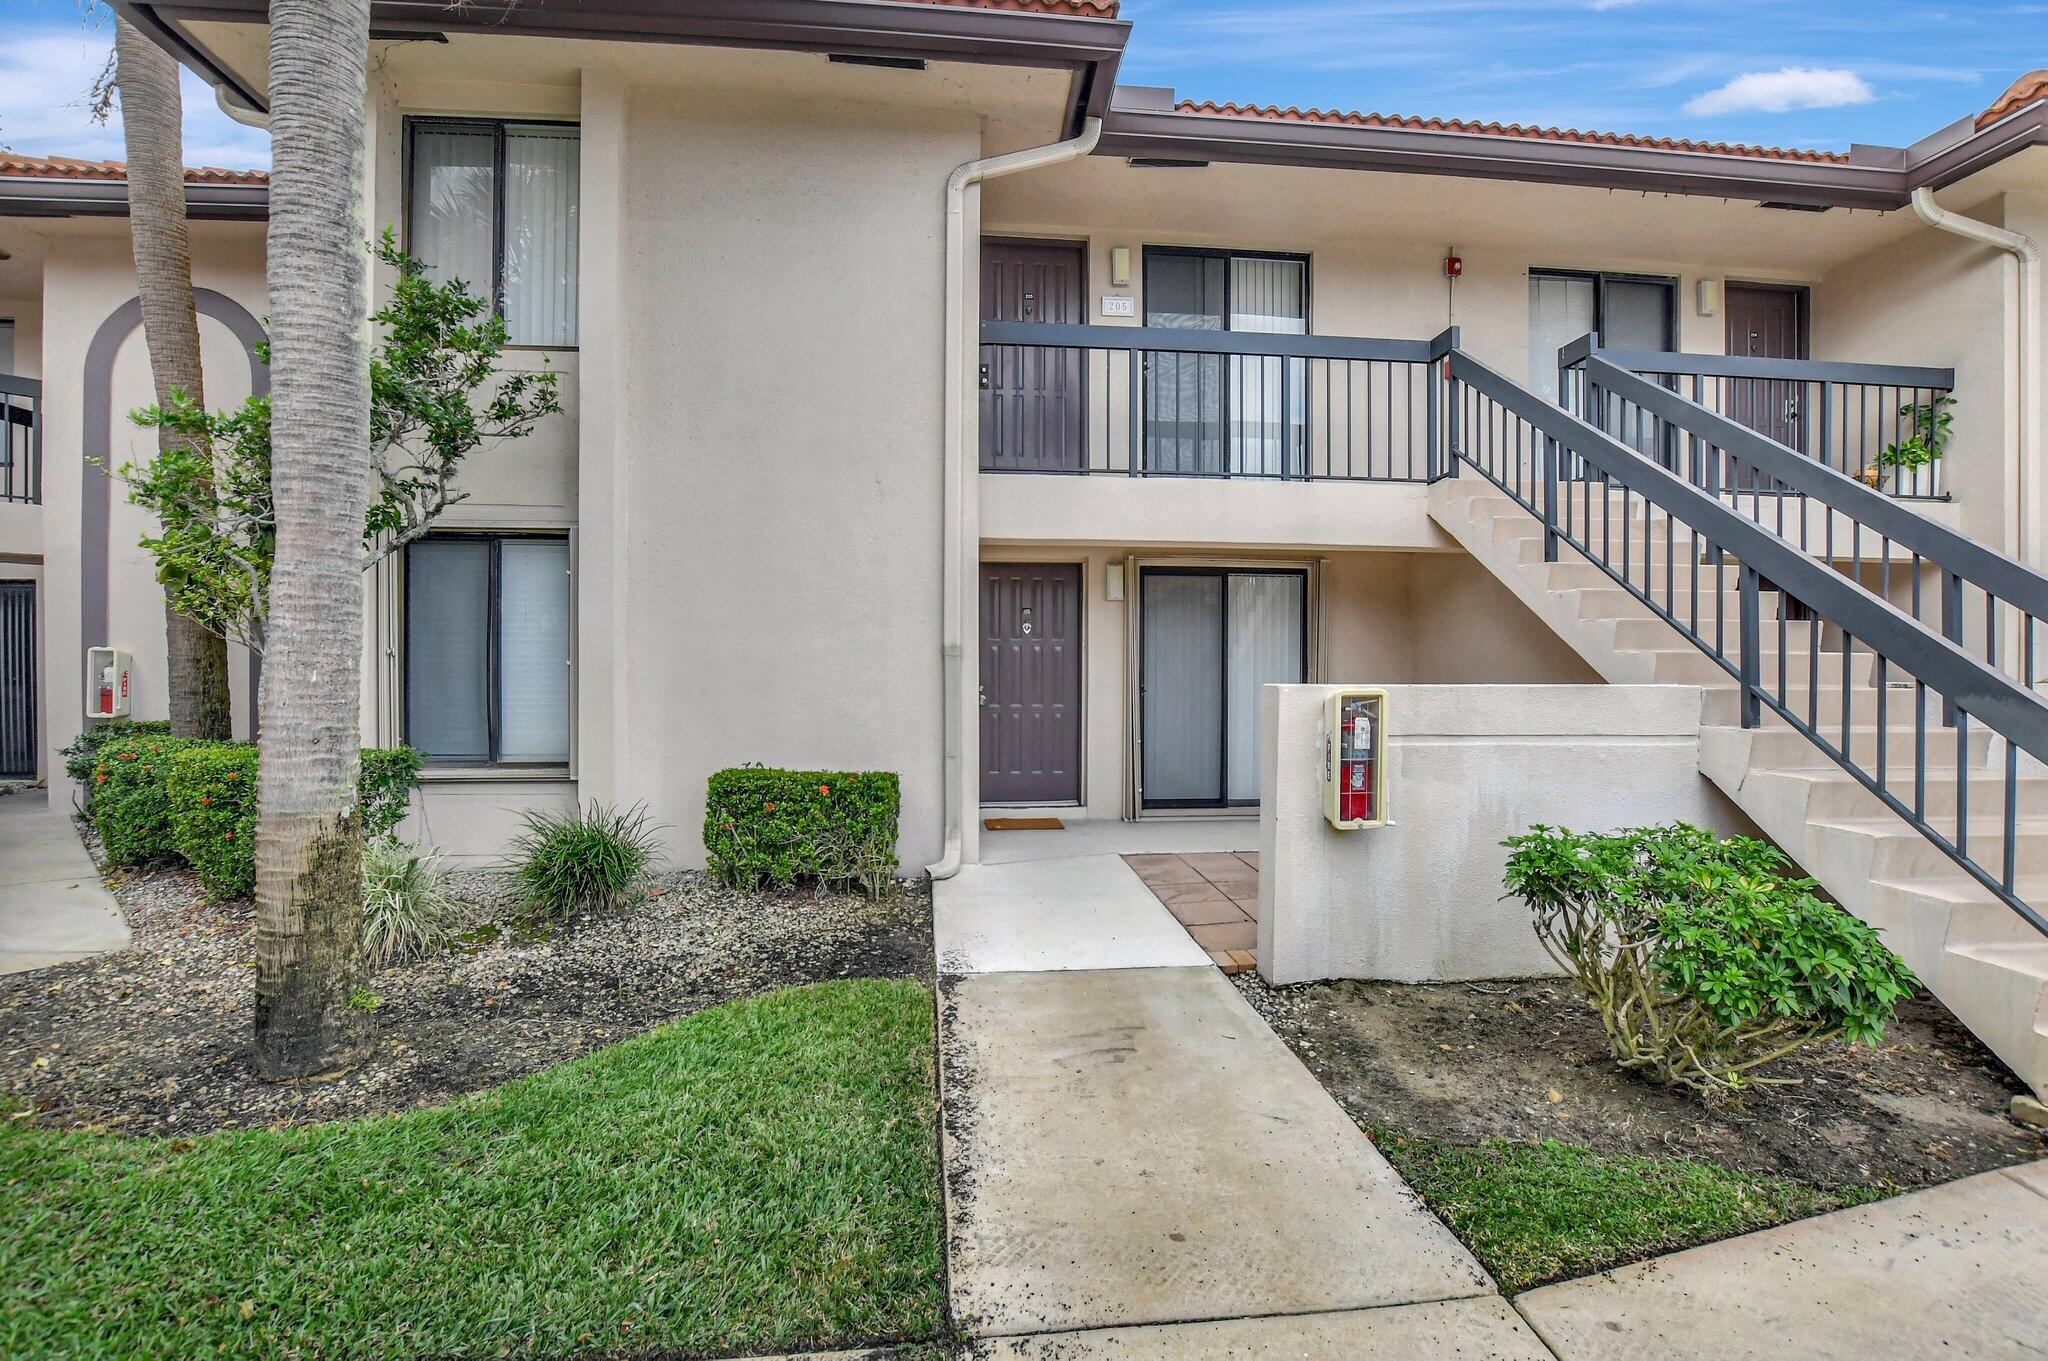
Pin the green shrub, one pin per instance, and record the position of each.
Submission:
(131, 805)
(213, 808)
(1705, 959)
(784, 826)
(389, 775)
(213, 817)
(83, 753)
(406, 911)
(587, 860)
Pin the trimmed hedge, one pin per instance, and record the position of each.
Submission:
(82, 756)
(157, 798)
(212, 798)
(130, 803)
(781, 827)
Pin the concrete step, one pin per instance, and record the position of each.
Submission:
(1902, 854)
(1830, 792)
(1776, 746)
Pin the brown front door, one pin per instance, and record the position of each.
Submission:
(1769, 322)
(1031, 683)
(1034, 402)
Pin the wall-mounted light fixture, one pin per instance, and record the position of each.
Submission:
(1113, 581)
(1120, 266)
(1709, 292)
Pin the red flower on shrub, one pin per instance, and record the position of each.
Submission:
(206, 800)
(770, 806)
(228, 837)
(825, 789)
(129, 756)
(100, 778)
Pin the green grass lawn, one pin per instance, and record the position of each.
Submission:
(758, 1176)
(1538, 1212)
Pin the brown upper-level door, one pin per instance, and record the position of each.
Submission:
(1766, 321)
(1034, 403)
(1031, 683)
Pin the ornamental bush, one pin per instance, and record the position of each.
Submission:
(1704, 957)
(782, 827)
(589, 859)
(212, 802)
(130, 802)
(83, 753)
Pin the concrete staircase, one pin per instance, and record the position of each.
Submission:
(1985, 963)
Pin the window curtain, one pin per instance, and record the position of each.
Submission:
(1266, 621)
(1560, 311)
(447, 649)
(453, 201)
(1267, 393)
(1183, 706)
(1184, 392)
(533, 651)
(542, 170)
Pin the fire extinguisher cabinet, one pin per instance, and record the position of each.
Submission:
(1355, 759)
(108, 679)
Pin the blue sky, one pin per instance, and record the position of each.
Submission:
(1815, 73)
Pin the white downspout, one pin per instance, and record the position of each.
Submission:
(2025, 472)
(962, 351)
(248, 118)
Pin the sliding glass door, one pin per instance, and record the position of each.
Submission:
(1225, 415)
(1209, 638)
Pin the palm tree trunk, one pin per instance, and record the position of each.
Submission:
(309, 886)
(151, 121)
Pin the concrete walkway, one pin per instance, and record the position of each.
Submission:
(1138, 1168)
(53, 906)
(1955, 1271)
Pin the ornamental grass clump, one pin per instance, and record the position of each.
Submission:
(593, 859)
(406, 908)
(1704, 957)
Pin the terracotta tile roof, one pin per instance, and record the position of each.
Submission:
(2028, 88)
(1072, 9)
(1620, 139)
(71, 168)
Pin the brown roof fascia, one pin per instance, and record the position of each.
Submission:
(1143, 124)
(1089, 47)
(49, 196)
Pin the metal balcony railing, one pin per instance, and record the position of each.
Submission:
(21, 439)
(1161, 402)
(1842, 416)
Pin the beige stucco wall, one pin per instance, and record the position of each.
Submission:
(1937, 299)
(1381, 617)
(770, 526)
(88, 274)
(1419, 900)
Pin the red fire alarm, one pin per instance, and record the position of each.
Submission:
(1453, 266)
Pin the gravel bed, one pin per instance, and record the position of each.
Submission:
(154, 1039)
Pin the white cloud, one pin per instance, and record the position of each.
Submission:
(46, 75)
(1794, 87)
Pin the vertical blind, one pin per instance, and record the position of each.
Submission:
(533, 651)
(1268, 297)
(1266, 640)
(447, 648)
(1182, 660)
(487, 649)
(458, 205)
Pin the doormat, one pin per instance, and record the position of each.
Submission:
(1023, 824)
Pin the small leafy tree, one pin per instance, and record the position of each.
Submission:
(1930, 423)
(1705, 959)
(435, 398)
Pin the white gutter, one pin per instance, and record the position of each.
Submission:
(248, 118)
(962, 355)
(2024, 472)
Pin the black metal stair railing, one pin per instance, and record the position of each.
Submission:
(1844, 416)
(1741, 593)
(21, 439)
(1147, 401)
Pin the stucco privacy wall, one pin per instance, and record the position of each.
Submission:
(1407, 617)
(1468, 765)
(1938, 299)
(88, 274)
(772, 531)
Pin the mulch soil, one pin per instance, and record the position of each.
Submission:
(1526, 1060)
(155, 1039)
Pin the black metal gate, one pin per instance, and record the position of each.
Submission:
(17, 680)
